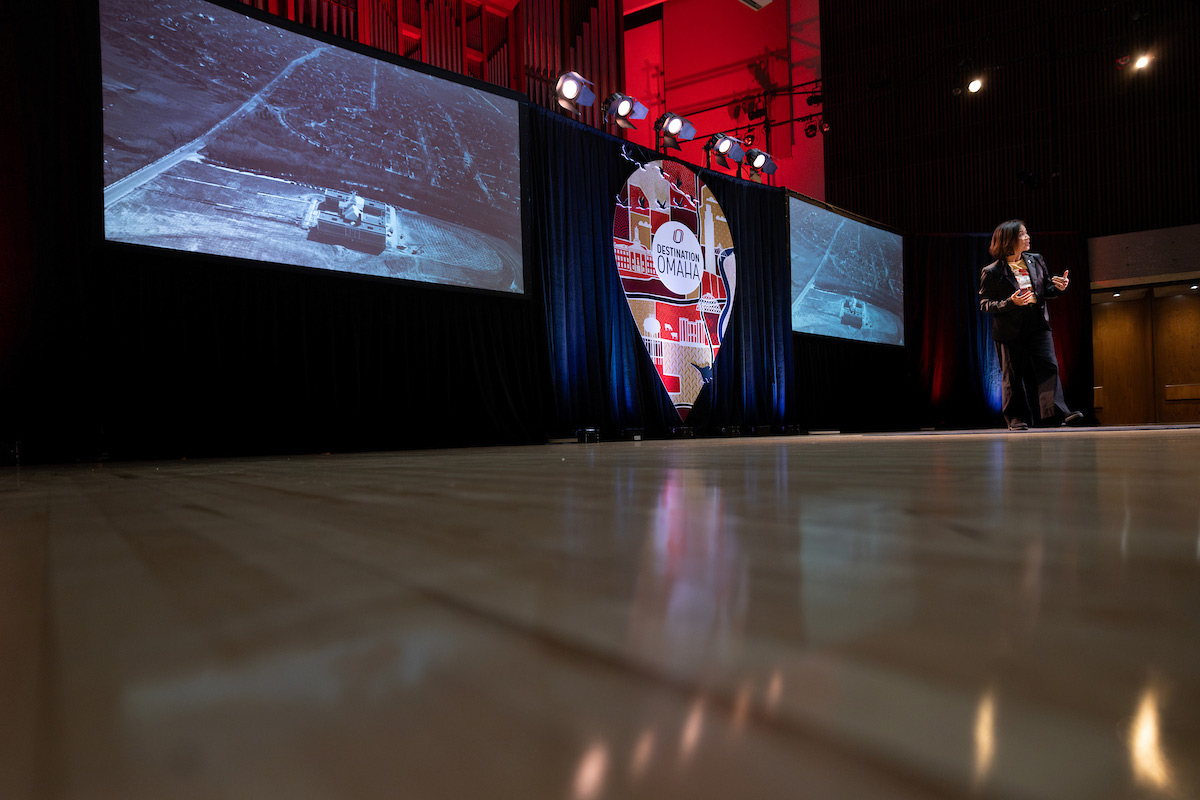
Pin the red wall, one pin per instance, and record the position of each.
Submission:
(644, 78)
(716, 61)
(805, 170)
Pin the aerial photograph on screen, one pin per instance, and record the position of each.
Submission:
(230, 136)
(847, 277)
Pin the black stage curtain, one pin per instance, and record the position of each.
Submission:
(950, 341)
(144, 354)
(852, 386)
(603, 377)
(753, 386)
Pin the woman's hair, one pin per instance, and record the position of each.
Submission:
(1004, 238)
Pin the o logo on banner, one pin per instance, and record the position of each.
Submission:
(678, 259)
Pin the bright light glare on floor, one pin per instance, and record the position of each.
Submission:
(1145, 747)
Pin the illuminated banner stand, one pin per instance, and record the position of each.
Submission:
(675, 256)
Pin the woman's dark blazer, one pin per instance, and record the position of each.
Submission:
(996, 288)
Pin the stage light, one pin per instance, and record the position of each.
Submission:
(761, 161)
(825, 127)
(1116, 294)
(810, 130)
(760, 164)
(1195, 286)
(623, 109)
(674, 129)
(815, 100)
(725, 148)
(574, 91)
(1142, 62)
(975, 85)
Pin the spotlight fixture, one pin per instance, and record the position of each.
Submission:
(674, 129)
(810, 130)
(975, 85)
(1142, 62)
(623, 109)
(760, 164)
(725, 148)
(815, 100)
(825, 126)
(574, 91)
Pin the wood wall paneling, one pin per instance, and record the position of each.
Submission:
(1147, 357)
(1176, 325)
(1123, 366)
(1182, 391)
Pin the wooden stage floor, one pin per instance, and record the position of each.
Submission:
(1007, 615)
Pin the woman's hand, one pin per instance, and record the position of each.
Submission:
(1061, 283)
(1023, 297)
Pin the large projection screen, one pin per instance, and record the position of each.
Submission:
(847, 276)
(228, 135)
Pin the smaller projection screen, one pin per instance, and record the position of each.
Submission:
(231, 136)
(847, 276)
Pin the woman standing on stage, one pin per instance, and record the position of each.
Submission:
(1014, 289)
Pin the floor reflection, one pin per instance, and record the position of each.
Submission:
(985, 737)
(855, 551)
(1146, 756)
(592, 772)
(690, 597)
(905, 618)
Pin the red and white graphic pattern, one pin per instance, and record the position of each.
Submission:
(682, 333)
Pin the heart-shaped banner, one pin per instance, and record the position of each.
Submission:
(677, 266)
